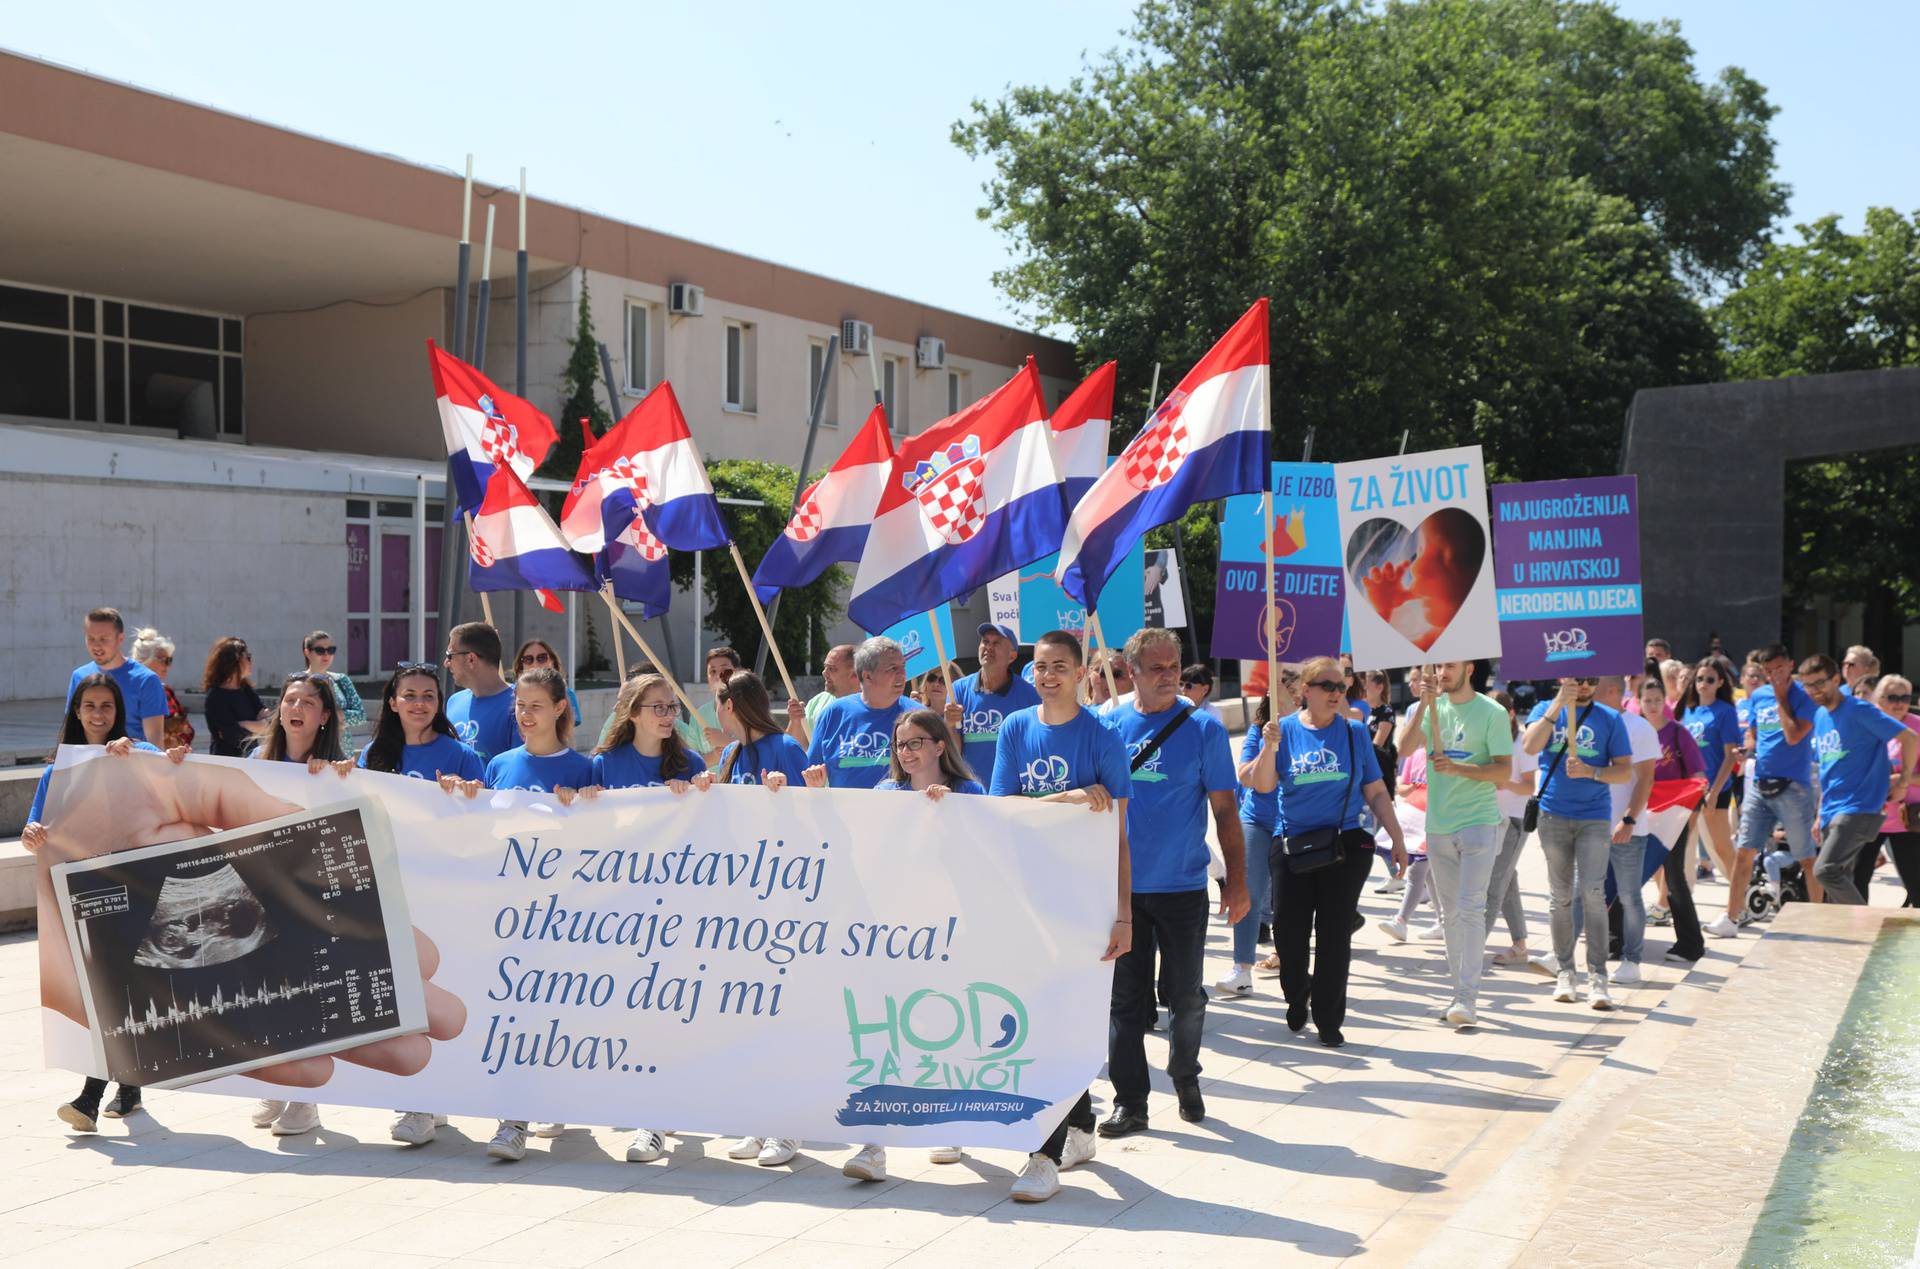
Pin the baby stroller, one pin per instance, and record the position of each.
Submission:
(1761, 904)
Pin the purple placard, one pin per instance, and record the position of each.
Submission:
(1566, 556)
(1309, 596)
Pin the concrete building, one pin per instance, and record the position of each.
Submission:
(215, 409)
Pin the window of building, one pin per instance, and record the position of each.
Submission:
(893, 379)
(380, 585)
(639, 346)
(88, 359)
(738, 374)
(816, 371)
(956, 391)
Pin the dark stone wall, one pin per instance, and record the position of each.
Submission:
(1712, 466)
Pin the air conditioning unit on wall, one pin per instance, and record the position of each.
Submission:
(931, 354)
(856, 337)
(684, 299)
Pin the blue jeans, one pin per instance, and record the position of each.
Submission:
(1629, 861)
(1246, 931)
(1791, 809)
(1175, 927)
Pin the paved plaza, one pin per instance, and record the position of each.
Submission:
(1308, 1155)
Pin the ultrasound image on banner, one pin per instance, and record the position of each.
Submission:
(286, 939)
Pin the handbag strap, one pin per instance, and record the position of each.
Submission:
(1573, 729)
(1346, 797)
(1153, 746)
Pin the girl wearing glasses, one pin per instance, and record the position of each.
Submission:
(538, 654)
(643, 749)
(320, 651)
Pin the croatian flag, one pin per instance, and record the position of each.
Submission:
(829, 526)
(975, 496)
(633, 560)
(1207, 440)
(515, 545)
(648, 467)
(1670, 804)
(1079, 429)
(485, 428)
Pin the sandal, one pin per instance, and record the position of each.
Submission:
(1269, 967)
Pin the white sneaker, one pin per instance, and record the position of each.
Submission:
(1238, 983)
(946, 1154)
(1394, 928)
(1392, 885)
(297, 1118)
(1545, 964)
(1627, 973)
(265, 1112)
(1079, 1148)
(547, 1130)
(775, 1151)
(1430, 934)
(509, 1142)
(745, 1148)
(1723, 927)
(415, 1127)
(1037, 1182)
(870, 1164)
(1461, 1014)
(1563, 987)
(1597, 994)
(646, 1146)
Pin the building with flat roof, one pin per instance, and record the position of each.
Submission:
(215, 407)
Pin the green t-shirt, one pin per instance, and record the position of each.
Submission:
(1473, 733)
(694, 734)
(819, 702)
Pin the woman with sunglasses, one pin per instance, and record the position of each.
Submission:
(1901, 828)
(235, 714)
(320, 651)
(155, 651)
(538, 654)
(1325, 770)
(1706, 709)
(304, 727)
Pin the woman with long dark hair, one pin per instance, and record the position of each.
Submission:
(96, 715)
(536, 654)
(927, 759)
(235, 714)
(760, 752)
(1706, 709)
(413, 736)
(321, 652)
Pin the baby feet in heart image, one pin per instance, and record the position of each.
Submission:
(1417, 579)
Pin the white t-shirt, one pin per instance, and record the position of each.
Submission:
(1514, 805)
(1645, 743)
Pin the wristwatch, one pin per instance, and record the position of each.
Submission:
(1628, 819)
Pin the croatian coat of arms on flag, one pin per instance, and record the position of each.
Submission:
(950, 486)
(805, 524)
(1161, 447)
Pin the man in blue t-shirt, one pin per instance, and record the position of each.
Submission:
(984, 700)
(1576, 821)
(1780, 734)
(1059, 752)
(1182, 766)
(145, 695)
(853, 737)
(1850, 738)
(482, 710)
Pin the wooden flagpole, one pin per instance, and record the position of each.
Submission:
(940, 650)
(619, 644)
(486, 605)
(640, 639)
(1273, 658)
(1100, 638)
(766, 629)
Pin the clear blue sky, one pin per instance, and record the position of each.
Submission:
(818, 136)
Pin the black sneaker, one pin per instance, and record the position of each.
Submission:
(79, 1115)
(124, 1103)
(1266, 933)
(1193, 1107)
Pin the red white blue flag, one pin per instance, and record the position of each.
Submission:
(515, 545)
(1207, 440)
(830, 521)
(974, 496)
(485, 429)
(1080, 427)
(645, 467)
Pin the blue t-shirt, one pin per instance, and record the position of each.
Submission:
(778, 752)
(627, 768)
(518, 769)
(443, 755)
(141, 689)
(855, 741)
(1314, 763)
(965, 786)
(985, 711)
(1850, 744)
(1032, 759)
(1601, 739)
(1773, 757)
(1167, 815)
(485, 723)
(1714, 727)
(1258, 808)
(39, 806)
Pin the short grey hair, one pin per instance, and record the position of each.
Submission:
(148, 641)
(1146, 637)
(867, 657)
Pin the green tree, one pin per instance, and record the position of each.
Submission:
(801, 624)
(1839, 301)
(580, 397)
(1478, 220)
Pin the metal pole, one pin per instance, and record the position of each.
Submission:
(448, 604)
(613, 393)
(417, 610)
(465, 272)
(520, 368)
(479, 358)
(814, 411)
(699, 602)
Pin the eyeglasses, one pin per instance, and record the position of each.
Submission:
(459, 652)
(324, 652)
(1899, 698)
(1328, 685)
(537, 658)
(660, 709)
(911, 744)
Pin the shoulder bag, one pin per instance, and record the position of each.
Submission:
(1317, 848)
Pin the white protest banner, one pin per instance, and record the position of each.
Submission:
(831, 965)
(1420, 585)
